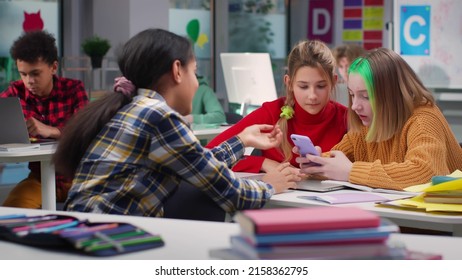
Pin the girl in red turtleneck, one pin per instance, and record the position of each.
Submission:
(307, 109)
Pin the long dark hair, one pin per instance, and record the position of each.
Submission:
(144, 59)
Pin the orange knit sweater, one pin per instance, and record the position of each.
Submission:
(425, 147)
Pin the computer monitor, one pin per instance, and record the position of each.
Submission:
(249, 78)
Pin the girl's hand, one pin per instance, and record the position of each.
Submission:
(283, 177)
(296, 150)
(261, 136)
(336, 167)
(304, 161)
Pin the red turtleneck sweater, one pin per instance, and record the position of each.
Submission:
(325, 130)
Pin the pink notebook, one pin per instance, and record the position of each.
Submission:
(341, 198)
(286, 220)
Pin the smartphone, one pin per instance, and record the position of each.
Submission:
(304, 144)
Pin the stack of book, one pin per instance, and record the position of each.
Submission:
(314, 233)
(445, 189)
(442, 195)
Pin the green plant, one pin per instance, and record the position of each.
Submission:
(96, 46)
(250, 18)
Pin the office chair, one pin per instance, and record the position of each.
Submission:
(190, 203)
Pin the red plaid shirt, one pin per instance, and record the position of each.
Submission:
(66, 98)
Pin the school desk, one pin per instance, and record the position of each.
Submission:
(407, 218)
(192, 240)
(209, 133)
(47, 169)
(45, 153)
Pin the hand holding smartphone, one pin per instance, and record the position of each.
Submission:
(304, 144)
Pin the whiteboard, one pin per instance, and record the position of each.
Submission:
(428, 35)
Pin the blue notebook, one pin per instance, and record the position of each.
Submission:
(332, 251)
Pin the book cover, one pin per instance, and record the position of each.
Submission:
(331, 251)
(452, 185)
(341, 236)
(443, 199)
(370, 189)
(289, 220)
(342, 198)
(418, 203)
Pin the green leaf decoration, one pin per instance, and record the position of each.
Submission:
(192, 29)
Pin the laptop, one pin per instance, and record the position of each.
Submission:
(305, 185)
(317, 186)
(13, 127)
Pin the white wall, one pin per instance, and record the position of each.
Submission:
(111, 20)
(148, 14)
(116, 20)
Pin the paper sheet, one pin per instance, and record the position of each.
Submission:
(422, 187)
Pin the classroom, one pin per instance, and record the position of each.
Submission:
(245, 56)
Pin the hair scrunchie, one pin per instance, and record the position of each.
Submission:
(126, 87)
(287, 112)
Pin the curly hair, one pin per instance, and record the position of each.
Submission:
(32, 46)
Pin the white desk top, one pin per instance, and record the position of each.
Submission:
(45, 152)
(209, 133)
(408, 218)
(192, 240)
(418, 219)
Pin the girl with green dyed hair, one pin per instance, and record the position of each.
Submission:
(397, 135)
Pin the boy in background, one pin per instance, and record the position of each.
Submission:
(47, 101)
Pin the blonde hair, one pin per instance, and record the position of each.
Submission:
(394, 92)
(311, 53)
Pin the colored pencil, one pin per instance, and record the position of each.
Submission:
(95, 241)
(42, 225)
(12, 216)
(82, 230)
(131, 242)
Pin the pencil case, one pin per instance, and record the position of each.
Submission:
(108, 239)
(62, 232)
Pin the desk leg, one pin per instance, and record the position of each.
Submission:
(48, 185)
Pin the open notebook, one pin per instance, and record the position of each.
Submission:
(13, 126)
(331, 185)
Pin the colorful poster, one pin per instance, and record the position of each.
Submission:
(194, 24)
(320, 20)
(415, 30)
(363, 22)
